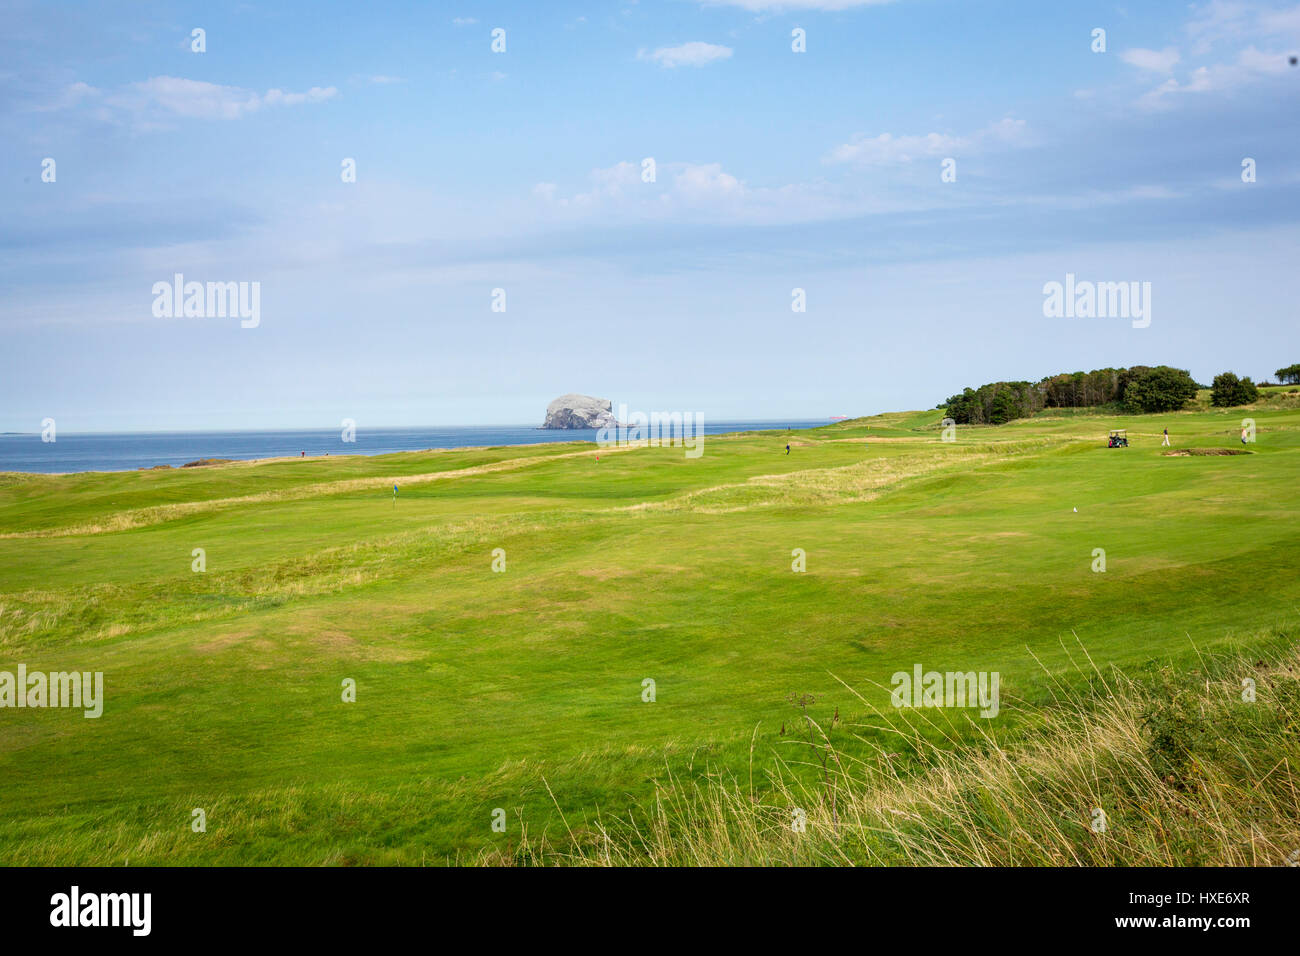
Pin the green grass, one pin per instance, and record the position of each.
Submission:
(1170, 768)
(522, 690)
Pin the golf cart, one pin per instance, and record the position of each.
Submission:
(1118, 438)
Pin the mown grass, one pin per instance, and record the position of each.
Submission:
(522, 690)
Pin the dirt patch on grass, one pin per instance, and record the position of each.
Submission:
(605, 574)
(328, 639)
(1189, 452)
(223, 641)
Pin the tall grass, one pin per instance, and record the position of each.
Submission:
(1166, 769)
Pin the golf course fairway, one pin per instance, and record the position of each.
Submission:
(527, 645)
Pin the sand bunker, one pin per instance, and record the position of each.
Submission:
(1187, 452)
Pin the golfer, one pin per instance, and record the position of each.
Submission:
(1166, 441)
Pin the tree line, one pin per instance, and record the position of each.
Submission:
(1141, 388)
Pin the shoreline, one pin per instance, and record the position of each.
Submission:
(273, 459)
(311, 429)
(235, 462)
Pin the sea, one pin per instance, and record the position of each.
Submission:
(127, 451)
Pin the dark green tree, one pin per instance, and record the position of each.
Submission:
(1158, 389)
(1228, 390)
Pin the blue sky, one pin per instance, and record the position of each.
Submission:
(521, 170)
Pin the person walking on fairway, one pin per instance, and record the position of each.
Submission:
(787, 448)
(1166, 441)
(1243, 434)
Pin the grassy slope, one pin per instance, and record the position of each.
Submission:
(479, 690)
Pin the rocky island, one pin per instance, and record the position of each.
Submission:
(579, 411)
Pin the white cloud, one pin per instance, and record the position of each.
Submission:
(698, 193)
(706, 182)
(1007, 130)
(695, 53)
(196, 99)
(1159, 61)
(1251, 66)
(316, 94)
(1224, 21)
(887, 149)
(1257, 61)
(1282, 23)
(1200, 81)
(69, 96)
(610, 183)
(680, 188)
(1215, 22)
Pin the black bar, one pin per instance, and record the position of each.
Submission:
(332, 906)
